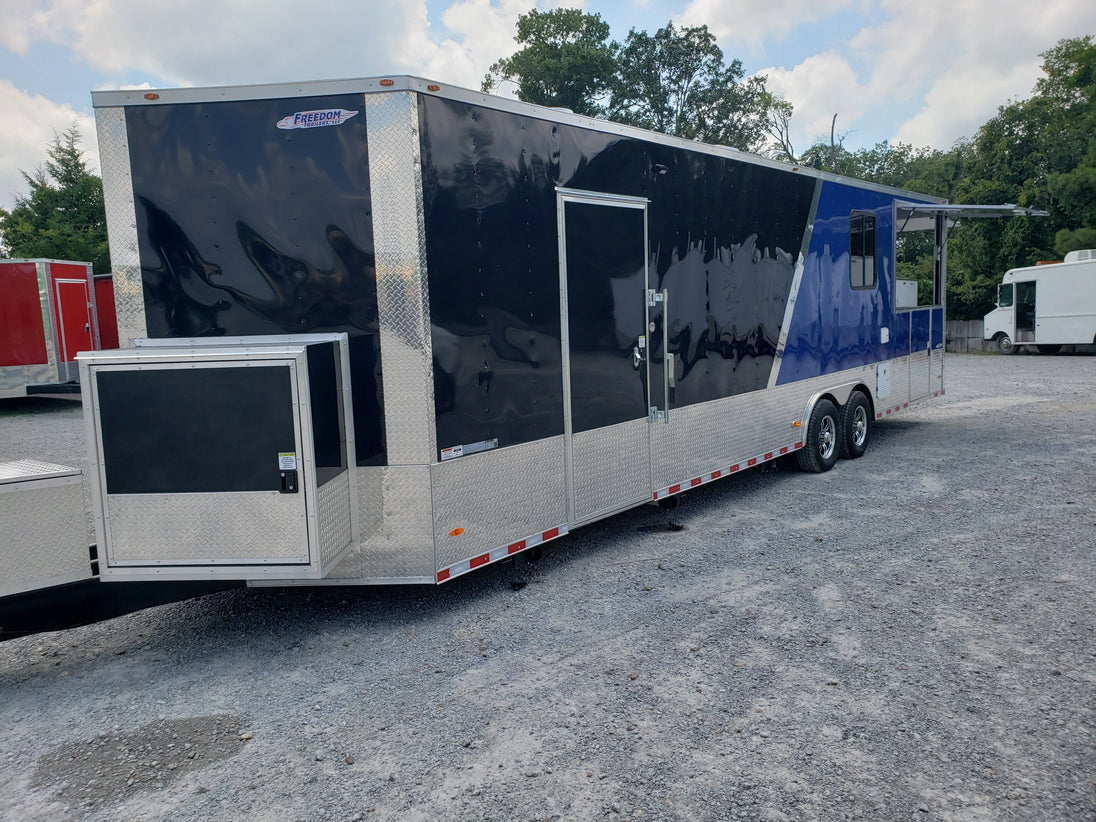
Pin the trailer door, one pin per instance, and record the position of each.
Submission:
(1025, 312)
(603, 276)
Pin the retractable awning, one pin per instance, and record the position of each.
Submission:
(922, 216)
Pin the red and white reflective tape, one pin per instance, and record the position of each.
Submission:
(704, 479)
(464, 566)
(886, 412)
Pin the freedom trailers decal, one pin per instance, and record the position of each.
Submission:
(316, 119)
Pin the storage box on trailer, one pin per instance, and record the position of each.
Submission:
(222, 459)
(43, 540)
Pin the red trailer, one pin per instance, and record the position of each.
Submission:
(49, 311)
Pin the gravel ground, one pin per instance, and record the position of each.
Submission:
(908, 637)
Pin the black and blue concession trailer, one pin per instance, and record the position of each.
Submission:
(389, 330)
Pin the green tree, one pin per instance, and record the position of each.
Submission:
(1035, 152)
(566, 60)
(675, 81)
(63, 216)
(1071, 84)
(1075, 193)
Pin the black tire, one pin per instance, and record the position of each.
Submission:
(1048, 349)
(855, 426)
(1005, 344)
(823, 441)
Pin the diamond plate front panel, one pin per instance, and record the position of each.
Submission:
(42, 529)
(26, 470)
(498, 497)
(395, 175)
(900, 383)
(919, 375)
(220, 529)
(703, 437)
(333, 515)
(125, 259)
(611, 468)
(394, 515)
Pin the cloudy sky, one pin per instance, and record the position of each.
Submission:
(925, 73)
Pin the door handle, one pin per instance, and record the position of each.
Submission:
(637, 357)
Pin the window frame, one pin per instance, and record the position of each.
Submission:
(863, 224)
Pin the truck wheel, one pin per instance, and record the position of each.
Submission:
(822, 445)
(1048, 349)
(1004, 345)
(855, 426)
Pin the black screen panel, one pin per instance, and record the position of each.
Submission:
(325, 400)
(195, 430)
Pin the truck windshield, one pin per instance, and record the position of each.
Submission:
(1004, 295)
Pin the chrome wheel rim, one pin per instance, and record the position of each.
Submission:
(859, 426)
(827, 438)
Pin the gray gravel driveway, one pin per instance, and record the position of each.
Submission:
(911, 636)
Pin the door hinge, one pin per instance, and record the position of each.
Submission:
(654, 297)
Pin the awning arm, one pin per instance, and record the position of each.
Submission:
(916, 212)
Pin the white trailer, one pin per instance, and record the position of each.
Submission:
(1047, 305)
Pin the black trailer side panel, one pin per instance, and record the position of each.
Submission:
(247, 228)
(724, 235)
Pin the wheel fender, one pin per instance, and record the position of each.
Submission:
(838, 395)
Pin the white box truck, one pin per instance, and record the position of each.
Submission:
(1048, 306)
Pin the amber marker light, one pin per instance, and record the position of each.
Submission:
(797, 424)
(387, 83)
(456, 532)
(152, 96)
(433, 88)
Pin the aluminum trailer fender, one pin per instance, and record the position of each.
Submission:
(840, 394)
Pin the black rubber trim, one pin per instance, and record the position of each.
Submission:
(89, 601)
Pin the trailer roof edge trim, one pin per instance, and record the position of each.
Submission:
(419, 85)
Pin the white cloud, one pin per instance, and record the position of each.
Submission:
(260, 41)
(819, 87)
(26, 132)
(959, 101)
(958, 62)
(256, 41)
(929, 75)
(746, 21)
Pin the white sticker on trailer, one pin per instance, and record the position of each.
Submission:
(468, 448)
(316, 119)
(287, 461)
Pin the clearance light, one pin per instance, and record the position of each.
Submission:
(387, 83)
(433, 88)
(456, 532)
(797, 424)
(152, 95)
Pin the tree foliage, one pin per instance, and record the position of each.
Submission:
(1036, 152)
(674, 81)
(566, 60)
(63, 215)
